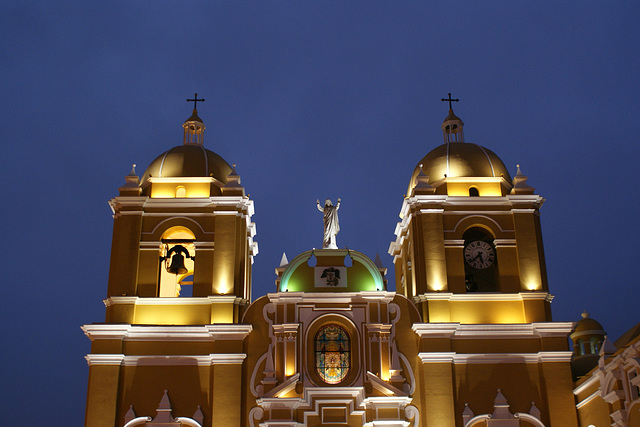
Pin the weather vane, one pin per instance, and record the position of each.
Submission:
(443, 100)
(195, 100)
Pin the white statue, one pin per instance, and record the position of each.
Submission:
(331, 224)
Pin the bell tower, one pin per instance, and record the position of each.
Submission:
(179, 282)
(468, 248)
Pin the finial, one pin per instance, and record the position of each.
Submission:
(450, 100)
(195, 100)
(585, 314)
(133, 170)
(519, 182)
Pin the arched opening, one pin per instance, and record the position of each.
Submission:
(473, 192)
(580, 347)
(176, 250)
(332, 349)
(181, 192)
(480, 259)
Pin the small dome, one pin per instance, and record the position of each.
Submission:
(188, 160)
(588, 324)
(452, 117)
(460, 159)
(330, 272)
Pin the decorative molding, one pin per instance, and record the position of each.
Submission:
(495, 358)
(386, 388)
(165, 360)
(255, 413)
(483, 296)
(104, 359)
(493, 331)
(465, 216)
(167, 333)
(227, 359)
(284, 388)
(587, 399)
(504, 242)
(437, 357)
(412, 379)
(138, 421)
(331, 298)
(184, 301)
(157, 360)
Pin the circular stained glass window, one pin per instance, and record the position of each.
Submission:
(332, 354)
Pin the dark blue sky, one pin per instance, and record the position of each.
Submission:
(311, 100)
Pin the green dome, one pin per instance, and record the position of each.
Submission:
(330, 274)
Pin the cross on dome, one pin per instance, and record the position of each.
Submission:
(443, 100)
(195, 100)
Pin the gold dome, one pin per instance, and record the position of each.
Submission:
(188, 160)
(460, 159)
(588, 324)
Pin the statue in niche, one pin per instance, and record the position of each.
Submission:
(331, 224)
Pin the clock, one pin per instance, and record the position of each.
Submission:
(479, 254)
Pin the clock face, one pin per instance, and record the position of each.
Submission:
(479, 254)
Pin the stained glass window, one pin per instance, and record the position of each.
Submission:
(333, 354)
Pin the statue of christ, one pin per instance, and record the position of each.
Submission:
(331, 224)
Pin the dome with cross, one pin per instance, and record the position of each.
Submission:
(457, 158)
(190, 159)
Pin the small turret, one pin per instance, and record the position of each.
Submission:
(194, 126)
(587, 337)
(452, 125)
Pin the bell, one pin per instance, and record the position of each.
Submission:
(177, 264)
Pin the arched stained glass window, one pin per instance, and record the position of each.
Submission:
(332, 354)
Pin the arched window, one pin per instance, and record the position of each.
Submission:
(332, 354)
(170, 283)
(473, 192)
(594, 344)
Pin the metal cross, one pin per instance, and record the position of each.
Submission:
(195, 100)
(448, 99)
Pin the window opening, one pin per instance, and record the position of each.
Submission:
(177, 263)
(332, 354)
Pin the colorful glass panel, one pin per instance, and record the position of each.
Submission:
(333, 354)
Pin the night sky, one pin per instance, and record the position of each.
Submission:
(311, 100)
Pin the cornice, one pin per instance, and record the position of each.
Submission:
(104, 359)
(437, 357)
(483, 296)
(163, 360)
(312, 394)
(587, 399)
(184, 301)
(492, 331)
(330, 298)
(204, 333)
(495, 358)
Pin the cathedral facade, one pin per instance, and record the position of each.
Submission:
(466, 340)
